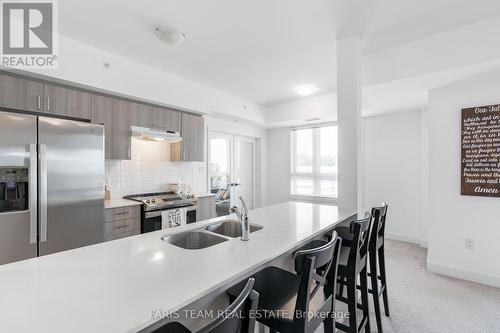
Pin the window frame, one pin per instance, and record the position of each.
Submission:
(315, 175)
(211, 173)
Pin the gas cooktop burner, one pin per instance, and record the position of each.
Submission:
(163, 200)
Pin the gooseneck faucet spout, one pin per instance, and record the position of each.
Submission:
(243, 217)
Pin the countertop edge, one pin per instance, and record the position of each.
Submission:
(119, 203)
(238, 277)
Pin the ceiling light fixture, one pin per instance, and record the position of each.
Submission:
(305, 89)
(169, 34)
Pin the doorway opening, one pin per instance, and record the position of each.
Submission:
(231, 170)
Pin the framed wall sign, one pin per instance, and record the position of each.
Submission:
(481, 151)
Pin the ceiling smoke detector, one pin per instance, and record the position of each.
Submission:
(169, 34)
(305, 89)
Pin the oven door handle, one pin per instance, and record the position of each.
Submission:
(157, 213)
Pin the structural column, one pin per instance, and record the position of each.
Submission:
(349, 122)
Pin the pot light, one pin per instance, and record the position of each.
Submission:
(305, 89)
(170, 34)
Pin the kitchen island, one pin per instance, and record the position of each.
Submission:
(115, 286)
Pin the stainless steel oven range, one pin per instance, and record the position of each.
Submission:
(155, 204)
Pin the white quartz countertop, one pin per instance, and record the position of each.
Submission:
(114, 286)
(117, 203)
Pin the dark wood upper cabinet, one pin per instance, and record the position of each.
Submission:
(67, 102)
(167, 119)
(139, 114)
(21, 94)
(114, 115)
(192, 147)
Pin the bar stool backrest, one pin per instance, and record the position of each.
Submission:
(232, 321)
(313, 266)
(359, 245)
(238, 317)
(378, 226)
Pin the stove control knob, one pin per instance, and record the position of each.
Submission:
(153, 200)
(148, 201)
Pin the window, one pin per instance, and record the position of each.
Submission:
(314, 161)
(218, 166)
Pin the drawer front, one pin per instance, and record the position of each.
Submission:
(122, 213)
(122, 235)
(122, 226)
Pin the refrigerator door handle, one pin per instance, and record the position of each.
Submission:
(33, 193)
(42, 150)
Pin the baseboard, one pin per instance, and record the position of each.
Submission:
(402, 238)
(486, 279)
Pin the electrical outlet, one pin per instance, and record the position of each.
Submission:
(469, 243)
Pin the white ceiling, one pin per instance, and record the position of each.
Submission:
(260, 49)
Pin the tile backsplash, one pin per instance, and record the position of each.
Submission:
(150, 170)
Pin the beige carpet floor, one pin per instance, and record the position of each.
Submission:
(423, 302)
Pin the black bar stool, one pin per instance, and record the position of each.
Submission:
(278, 288)
(353, 263)
(376, 252)
(230, 322)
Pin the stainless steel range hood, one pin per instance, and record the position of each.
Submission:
(155, 134)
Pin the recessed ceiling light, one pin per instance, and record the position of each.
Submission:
(169, 34)
(305, 89)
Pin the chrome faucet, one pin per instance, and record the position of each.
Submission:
(243, 217)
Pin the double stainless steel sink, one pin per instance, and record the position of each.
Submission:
(230, 228)
(194, 240)
(211, 235)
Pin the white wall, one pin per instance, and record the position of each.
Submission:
(453, 217)
(392, 157)
(392, 163)
(83, 64)
(278, 165)
(297, 112)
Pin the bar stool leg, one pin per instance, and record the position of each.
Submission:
(375, 292)
(352, 304)
(364, 298)
(381, 260)
(329, 323)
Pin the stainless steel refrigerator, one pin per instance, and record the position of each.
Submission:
(51, 185)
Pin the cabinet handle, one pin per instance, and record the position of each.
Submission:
(129, 152)
(48, 103)
(121, 226)
(183, 155)
(38, 102)
(122, 213)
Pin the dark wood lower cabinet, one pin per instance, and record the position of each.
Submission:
(121, 222)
